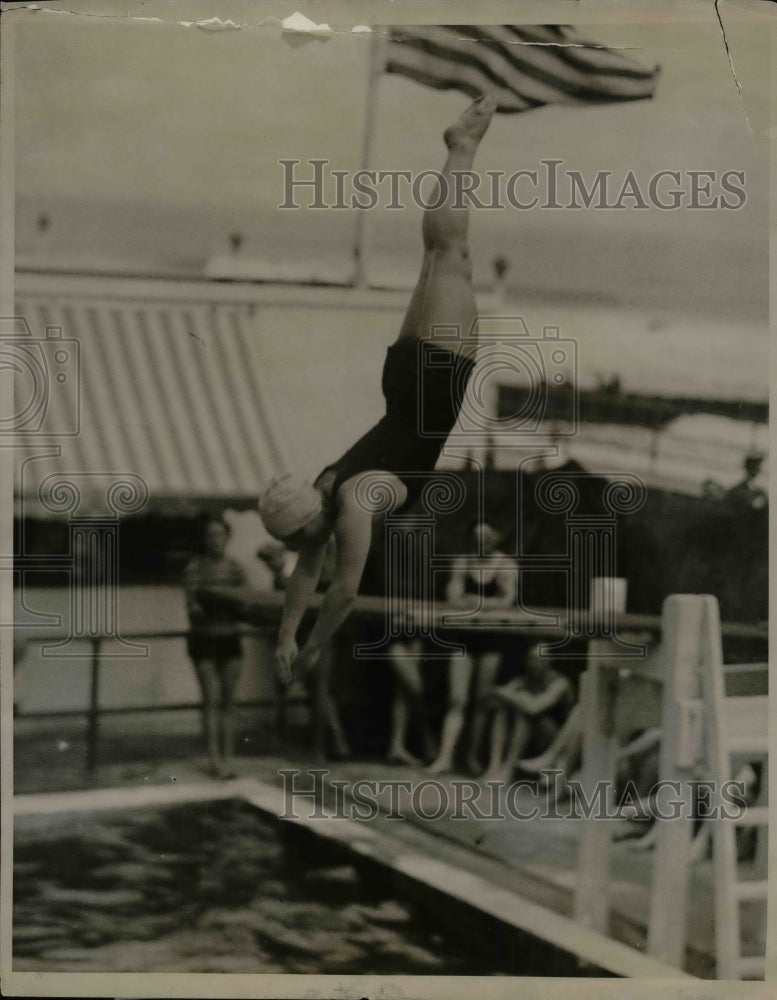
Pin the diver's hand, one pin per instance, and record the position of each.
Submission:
(286, 653)
(306, 660)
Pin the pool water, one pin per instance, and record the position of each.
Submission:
(207, 887)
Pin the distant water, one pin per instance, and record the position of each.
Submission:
(549, 262)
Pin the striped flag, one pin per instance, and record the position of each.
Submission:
(525, 65)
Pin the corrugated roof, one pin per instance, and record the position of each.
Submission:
(172, 391)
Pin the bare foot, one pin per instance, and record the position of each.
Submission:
(501, 773)
(285, 677)
(471, 127)
(430, 749)
(401, 756)
(440, 767)
(533, 765)
(473, 767)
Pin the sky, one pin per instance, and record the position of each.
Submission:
(147, 144)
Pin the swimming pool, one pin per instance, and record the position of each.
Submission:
(210, 887)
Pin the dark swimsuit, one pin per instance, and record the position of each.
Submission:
(485, 640)
(423, 385)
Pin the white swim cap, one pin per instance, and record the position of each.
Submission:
(288, 504)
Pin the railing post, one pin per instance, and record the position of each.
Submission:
(93, 726)
(683, 618)
(320, 697)
(598, 687)
(598, 694)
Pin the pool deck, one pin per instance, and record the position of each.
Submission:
(520, 870)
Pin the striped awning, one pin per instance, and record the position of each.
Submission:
(166, 389)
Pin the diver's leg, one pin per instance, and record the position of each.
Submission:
(443, 296)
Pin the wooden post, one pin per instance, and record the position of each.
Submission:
(761, 858)
(724, 845)
(377, 61)
(281, 698)
(598, 694)
(320, 695)
(683, 616)
(93, 725)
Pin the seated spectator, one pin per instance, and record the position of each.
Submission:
(564, 753)
(484, 578)
(537, 704)
(214, 640)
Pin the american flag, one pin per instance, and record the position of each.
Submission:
(526, 66)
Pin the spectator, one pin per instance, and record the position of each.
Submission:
(274, 555)
(408, 704)
(747, 495)
(408, 707)
(484, 578)
(214, 639)
(539, 702)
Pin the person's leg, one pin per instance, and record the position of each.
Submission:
(408, 699)
(565, 742)
(545, 730)
(569, 760)
(500, 728)
(229, 672)
(207, 676)
(443, 295)
(485, 678)
(522, 730)
(340, 747)
(330, 723)
(648, 739)
(459, 679)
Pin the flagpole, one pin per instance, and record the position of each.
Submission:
(377, 58)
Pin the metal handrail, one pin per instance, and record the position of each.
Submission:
(549, 621)
(552, 620)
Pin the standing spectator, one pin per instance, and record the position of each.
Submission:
(274, 555)
(484, 578)
(748, 495)
(406, 656)
(214, 639)
(408, 706)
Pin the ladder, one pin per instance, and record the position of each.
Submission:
(736, 730)
(707, 734)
